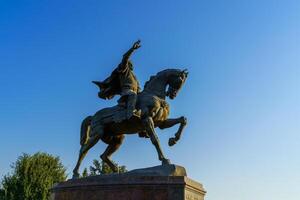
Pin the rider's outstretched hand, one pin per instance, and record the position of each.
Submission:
(136, 45)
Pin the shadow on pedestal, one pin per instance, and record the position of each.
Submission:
(166, 182)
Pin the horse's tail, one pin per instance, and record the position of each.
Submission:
(84, 131)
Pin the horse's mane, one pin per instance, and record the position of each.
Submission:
(147, 82)
(157, 75)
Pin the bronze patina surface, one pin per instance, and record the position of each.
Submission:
(137, 112)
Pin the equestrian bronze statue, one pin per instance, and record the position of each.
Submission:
(137, 112)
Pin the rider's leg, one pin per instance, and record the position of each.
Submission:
(131, 102)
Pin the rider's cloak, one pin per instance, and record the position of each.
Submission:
(110, 86)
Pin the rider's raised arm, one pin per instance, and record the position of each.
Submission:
(127, 55)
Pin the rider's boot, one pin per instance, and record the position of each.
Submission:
(131, 102)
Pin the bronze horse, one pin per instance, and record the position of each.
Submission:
(110, 124)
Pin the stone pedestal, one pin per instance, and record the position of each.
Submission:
(145, 184)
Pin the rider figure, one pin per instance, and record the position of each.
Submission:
(123, 82)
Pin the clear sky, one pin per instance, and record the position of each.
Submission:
(242, 96)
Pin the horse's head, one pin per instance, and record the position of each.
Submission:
(175, 82)
(171, 78)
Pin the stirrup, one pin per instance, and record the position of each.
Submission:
(135, 113)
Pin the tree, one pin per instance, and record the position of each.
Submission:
(100, 167)
(85, 173)
(32, 177)
(103, 168)
(2, 194)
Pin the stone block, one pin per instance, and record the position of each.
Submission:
(156, 183)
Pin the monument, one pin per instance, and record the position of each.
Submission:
(138, 112)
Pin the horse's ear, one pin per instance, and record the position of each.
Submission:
(185, 73)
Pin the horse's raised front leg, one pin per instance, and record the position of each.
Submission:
(171, 122)
(149, 127)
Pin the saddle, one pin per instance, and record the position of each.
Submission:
(114, 114)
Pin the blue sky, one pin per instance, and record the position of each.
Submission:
(241, 98)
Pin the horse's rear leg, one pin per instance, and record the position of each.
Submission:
(113, 146)
(84, 150)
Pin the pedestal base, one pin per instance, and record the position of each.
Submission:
(129, 186)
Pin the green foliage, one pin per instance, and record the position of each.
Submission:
(32, 177)
(100, 167)
(85, 173)
(2, 194)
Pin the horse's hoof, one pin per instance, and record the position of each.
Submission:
(166, 161)
(184, 121)
(172, 141)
